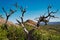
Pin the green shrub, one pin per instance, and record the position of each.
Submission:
(17, 33)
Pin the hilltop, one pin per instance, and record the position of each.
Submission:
(30, 22)
(2, 21)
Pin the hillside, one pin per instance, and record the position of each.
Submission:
(48, 32)
(2, 21)
(30, 22)
(33, 23)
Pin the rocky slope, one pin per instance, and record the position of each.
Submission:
(2, 21)
(30, 22)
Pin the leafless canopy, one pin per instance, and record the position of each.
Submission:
(44, 18)
(23, 10)
(29, 33)
(8, 15)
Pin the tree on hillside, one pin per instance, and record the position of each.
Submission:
(8, 15)
(29, 33)
(44, 18)
(22, 24)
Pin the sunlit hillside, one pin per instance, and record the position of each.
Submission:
(48, 32)
(29, 20)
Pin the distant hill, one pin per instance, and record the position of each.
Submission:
(2, 21)
(51, 23)
(30, 22)
(54, 23)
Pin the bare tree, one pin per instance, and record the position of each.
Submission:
(8, 15)
(23, 10)
(29, 33)
(51, 12)
(44, 18)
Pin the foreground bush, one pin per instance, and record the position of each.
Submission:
(17, 33)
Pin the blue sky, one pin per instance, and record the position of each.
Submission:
(35, 8)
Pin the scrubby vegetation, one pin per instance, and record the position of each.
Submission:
(29, 32)
(49, 32)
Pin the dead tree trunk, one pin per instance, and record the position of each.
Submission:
(38, 24)
(29, 33)
(7, 16)
(25, 30)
